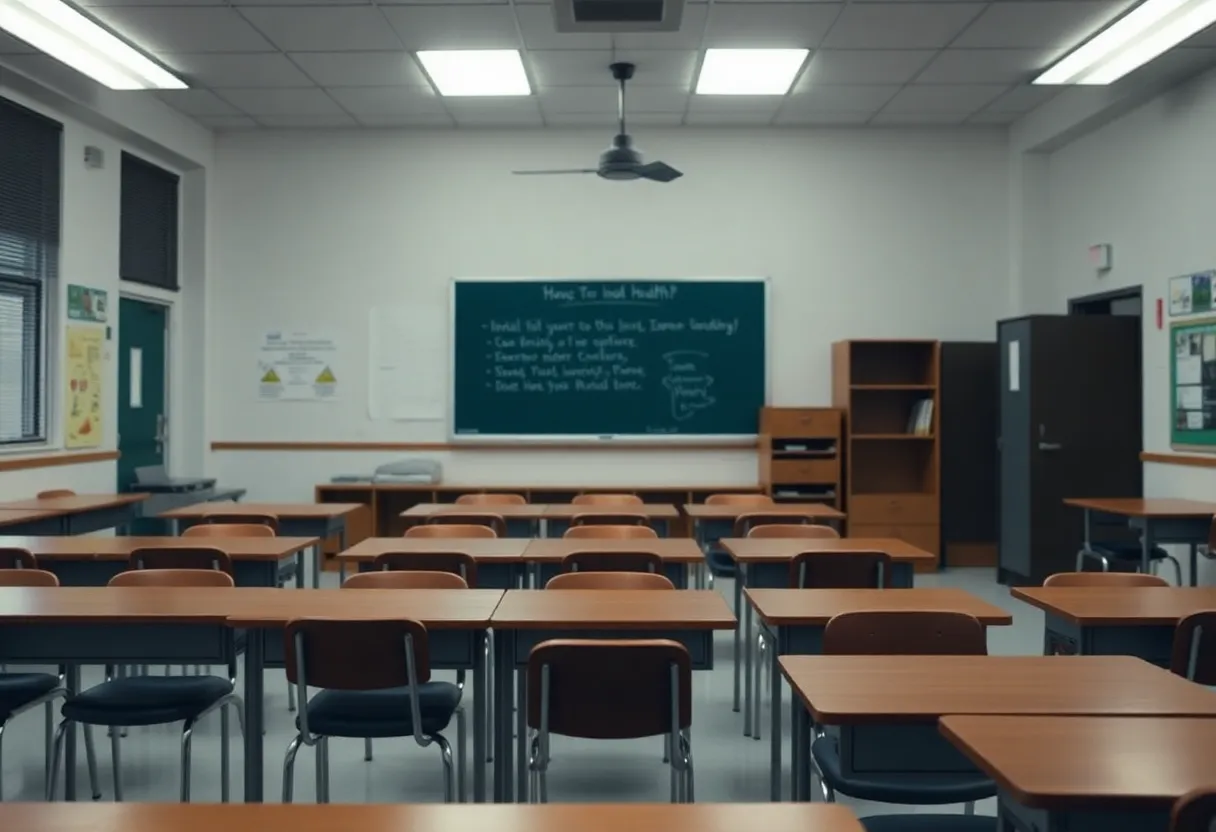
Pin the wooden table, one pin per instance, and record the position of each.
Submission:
(558, 515)
(525, 618)
(319, 520)
(134, 625)
(421, 817)
(83, 513)
(1158, 520)
(1088, 774)
(524, 520)
(1121, 621)
(793, 621)
(499, 559)
(887, 707)
(678, 553)
(31, 521)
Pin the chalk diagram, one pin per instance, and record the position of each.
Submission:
(687, 383)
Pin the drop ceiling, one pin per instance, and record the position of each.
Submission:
(348, 63)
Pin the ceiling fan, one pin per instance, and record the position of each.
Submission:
(619, 162)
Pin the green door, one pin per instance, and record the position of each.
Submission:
(143, 330)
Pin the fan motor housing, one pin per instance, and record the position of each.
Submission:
(618, 15)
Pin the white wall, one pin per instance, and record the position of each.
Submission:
(863, 234)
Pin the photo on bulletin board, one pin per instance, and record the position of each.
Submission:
(1191, 294)
(1192, 348)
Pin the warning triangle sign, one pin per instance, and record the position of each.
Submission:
(326, 376)
(271, 377)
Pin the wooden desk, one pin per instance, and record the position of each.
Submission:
(94, 560)
(83, 513)
(1158, 520)
(404, 817)
(557, 516)
(319, 520)
(104, 625)
(526, 618)
(730, 512)
(887, 707)
(793, 621)
(1090, 774)
(1122, 621)
(499, 559)
(31, 521)
(678, 553)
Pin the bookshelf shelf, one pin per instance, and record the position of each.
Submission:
(893, 386)
(861, 437)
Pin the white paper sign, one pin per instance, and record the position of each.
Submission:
(1015, 366)
(297, 366)
(137, 377)
(1190, 397)
(405, 382)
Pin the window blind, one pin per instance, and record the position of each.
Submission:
(148, 224)
(30, 164)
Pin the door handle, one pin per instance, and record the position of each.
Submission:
(1050, 446)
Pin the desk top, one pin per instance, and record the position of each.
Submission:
(421, 817)
(1140, 507)
(527, 511)
(86, 547)
(732, 511)
(13, 516)
(1119, 605)
(674, 549)
(654, 511)
(77, 502)
(881, 689)
(617, 609)
(1065, 763)
(754, 549)
(816, 607)
(281, 510)
(510, 549)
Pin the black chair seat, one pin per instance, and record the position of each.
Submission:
(381, 713)
(721, 564)
(1127, 550)
(912, 789)
(18, 689)
(929, 823)
(146, 700)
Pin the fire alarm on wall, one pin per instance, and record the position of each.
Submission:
(1100, 257)
(94, 157)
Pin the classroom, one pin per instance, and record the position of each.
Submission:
(366, 367)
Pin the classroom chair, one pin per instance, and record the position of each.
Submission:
(1194, 812)
(130, 701)
(230, 530)
(807, 531)
(612, 531)
(495, 521)
(623, 561)
(55, 492)
(235, 518)
(184, 557)
(610, 690)
(1127, 553)
(1194, 650)
(12, 557)
(489, 499)
(21, 692)
(609, 580)
(457, 563)
(1099, 579)
(744, 523)
(449, 531)
(607, 500)
(717, 562)
(376, 680)
(616, 518)
(904, 633)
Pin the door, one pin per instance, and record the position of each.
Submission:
(143, 335)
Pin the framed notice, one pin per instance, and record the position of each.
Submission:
(1192, 348)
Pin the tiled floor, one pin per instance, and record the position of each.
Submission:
(729, 766)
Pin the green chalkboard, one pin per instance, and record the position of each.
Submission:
(607, 359)
(1193, 383)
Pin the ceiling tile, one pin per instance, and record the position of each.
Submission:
(1023, 99)
(197, 102)
(900, 25)
(420, 120)
(540, 32)
(258, 69)
(702, 105)
(813, 119)
(293, 122)
(227, 123)
(1057, 23)
(608, 120)
(841, 98)
(589, 67)
(952, 98)
(321, 29)
(918, 118)
(361, 69)
(10, 45)
(186, 29)
(987, 117)
(603, 100)
(689, 36)
(741, 118)
(310, 102)
(769, 25)
(454, 27)
(986, 66)
(388, 101)
(495, 112)
(864, 66)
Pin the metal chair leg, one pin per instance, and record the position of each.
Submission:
(224, 762)
(461, 745)
(56, 753)
(490, 696)
(50, 740)
(116, 764)
(1177, 569)
(322, 761)
(738, 640)
(449, 775)
(761, 651)
(289, 768)
(969, 807)
(90, 758)
(367, 749)
(291, 697)
(187, 736)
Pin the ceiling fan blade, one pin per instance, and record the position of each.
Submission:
(658, 172)
(552, 172)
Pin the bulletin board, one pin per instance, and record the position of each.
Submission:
(1192, 348)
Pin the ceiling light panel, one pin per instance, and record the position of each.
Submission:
(477, 72)
(749, 71)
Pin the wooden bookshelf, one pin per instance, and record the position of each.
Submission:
(800, 454)
(892, 482)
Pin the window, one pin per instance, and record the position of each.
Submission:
(30, 161)
(148, 224)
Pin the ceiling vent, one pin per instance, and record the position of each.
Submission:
(618, 15)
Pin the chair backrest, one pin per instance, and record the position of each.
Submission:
(607, 500)
(172, 577)
(472, 518)
(491, 500)
(912, 633)
(609, 689)
(457, 563)
(234, 518)
(614, 518)
(12, 557)
(758, 500)
(355, 655)
(1195, 812)
(624, 561)
(614, 532)
(1194, 653)
(183, 557)
(442, 530)
(840, 570)
(1104, 579)
(229, 530)
(55, 492)
(27, 577)
(414, 579)
(804, 530)
(609, 580)
(744, 523)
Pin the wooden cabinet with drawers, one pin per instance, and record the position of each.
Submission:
(800, 454)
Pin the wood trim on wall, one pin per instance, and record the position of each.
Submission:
(55, 460)
(741, 445)
(1193, 460)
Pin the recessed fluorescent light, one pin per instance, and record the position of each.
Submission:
(749, 71)
(54, 27)
(459, 72)
(1135, 39)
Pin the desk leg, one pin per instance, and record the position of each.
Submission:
(342, 548)
(480, 706)
(504, 692)
(774, 729)
(316, 566)
(72, 683)
(521, 740)
(1146, 545)
(744, 612)
(300, 558)
(1192, 579)
(254, 669)
(738, 630)
(800, 744)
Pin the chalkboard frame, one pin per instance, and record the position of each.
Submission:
(631, 439)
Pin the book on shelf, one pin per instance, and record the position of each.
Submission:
(924, 419)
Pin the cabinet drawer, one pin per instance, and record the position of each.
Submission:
(922, 537)
(797, 471)
(918, 509)
(799, 423)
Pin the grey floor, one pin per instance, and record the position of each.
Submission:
(729, 766)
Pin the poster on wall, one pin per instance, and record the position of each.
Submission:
(82, 392)
(297, 366)
(86, 304)
(1191, 294)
